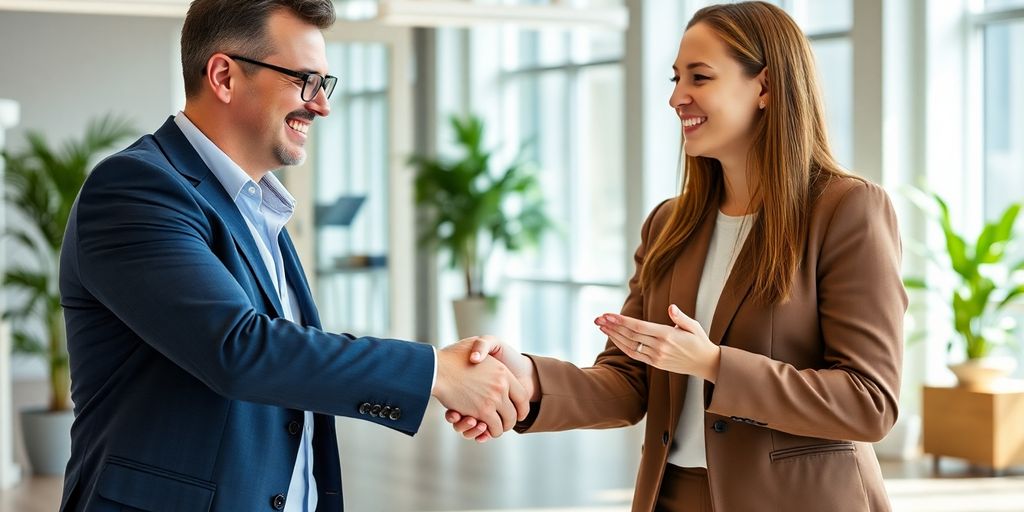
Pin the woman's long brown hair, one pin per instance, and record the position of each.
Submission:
(789, 154)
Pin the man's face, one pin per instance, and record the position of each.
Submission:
(271, 110)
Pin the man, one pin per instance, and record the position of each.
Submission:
(200, 375)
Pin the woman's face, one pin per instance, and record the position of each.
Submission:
(716, 101)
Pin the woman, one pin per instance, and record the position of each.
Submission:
(762, 335)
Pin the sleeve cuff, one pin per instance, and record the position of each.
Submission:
(433, 379)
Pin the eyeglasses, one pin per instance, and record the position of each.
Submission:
(311, 82)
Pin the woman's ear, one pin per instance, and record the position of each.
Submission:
(762, 78)
(219, 77)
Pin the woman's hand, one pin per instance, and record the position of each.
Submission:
(684, 348)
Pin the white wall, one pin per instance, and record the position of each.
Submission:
(66, 69)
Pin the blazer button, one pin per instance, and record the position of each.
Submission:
(375, 411)
(277, 502)
(364, 408)
(664, 438)
(720, 426)
(395, 414)
(294, 428)
(385, 411)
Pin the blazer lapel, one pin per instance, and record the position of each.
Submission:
(736, 289)
(682, 292)
(186, 160)
(297, 278)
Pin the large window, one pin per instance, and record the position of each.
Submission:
(827, 24)
(351, 194)
(558, 95)
(1003, 136)
(563, 99)
(1000, 27)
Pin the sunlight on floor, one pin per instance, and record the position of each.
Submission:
(955, 495)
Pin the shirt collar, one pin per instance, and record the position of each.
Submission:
(230, 175)
(276, 196)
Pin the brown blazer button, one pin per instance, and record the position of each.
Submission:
(664, 438)
(277, 502)
(720, 426)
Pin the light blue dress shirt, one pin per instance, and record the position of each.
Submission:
(266, 207)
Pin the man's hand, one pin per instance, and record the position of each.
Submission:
(521, 367)
(484, 389)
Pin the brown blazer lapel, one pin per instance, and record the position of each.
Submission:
(682, 292)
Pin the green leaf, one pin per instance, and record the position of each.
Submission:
(962, 316)
(995, 235)
(1011, 296)
(34, 281)
(955, 245)
(914, 283)
(25, 343)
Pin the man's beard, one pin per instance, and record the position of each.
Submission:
(286, 158)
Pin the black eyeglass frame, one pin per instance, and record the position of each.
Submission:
(327, 82)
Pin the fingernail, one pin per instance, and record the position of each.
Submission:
(611, 319)
(676, 310)
(475, 356)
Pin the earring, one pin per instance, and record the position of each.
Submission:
(761, 105)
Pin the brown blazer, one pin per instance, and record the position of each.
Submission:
(803, 387)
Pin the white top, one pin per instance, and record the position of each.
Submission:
(726, 241)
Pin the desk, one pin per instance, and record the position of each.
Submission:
(984, 427)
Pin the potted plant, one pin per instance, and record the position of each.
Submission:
(979, 284)
(42, 184)
(470, 211)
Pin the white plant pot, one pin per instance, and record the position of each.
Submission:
(475, 316)
(47, 437)
(983, 373)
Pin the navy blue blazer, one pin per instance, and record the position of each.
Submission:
(188, 383)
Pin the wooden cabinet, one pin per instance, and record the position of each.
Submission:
(984, 427)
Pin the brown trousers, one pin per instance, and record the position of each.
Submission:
(684, 490)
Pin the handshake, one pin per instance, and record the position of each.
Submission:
(486, 385)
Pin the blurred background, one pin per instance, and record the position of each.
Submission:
(572, 100)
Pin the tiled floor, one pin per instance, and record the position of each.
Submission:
(582, 471)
